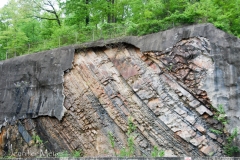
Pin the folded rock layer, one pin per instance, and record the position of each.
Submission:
(166, 84)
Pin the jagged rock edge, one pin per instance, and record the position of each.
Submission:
(61, 61)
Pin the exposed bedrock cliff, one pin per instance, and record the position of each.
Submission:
(167, 82)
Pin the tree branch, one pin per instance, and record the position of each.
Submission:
(53, 11)
(45, 18)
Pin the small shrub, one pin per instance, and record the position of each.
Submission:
(221, 115)
(229, 148)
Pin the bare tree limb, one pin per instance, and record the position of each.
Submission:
(54, 19)
(52, 11)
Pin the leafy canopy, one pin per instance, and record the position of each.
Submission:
(31, 25)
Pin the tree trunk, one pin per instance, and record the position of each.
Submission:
(111, 15)
(87, 14)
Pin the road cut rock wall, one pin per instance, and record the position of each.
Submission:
(168, 84)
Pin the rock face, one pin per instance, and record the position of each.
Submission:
(32, 85)
(165, 84)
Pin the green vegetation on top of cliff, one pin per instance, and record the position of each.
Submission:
(28, 26)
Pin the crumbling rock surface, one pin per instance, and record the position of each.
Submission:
(166, 83)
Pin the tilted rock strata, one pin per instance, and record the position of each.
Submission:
(221, 82)
(166, 82)
(128, 83)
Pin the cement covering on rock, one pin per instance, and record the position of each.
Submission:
(32, 85)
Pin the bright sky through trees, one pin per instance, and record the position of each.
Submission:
(3, 2)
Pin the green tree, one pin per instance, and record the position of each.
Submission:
(26, 25)
(77, 12)
(49, 10)
(13, 40)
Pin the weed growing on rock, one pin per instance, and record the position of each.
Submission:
(112, 142)
(221, 115)
(218, 132)
(63, 154)
(157, 153)
(129, 151)
(37, 139)
(169, 68)
(229, 147)
(131, 126)
(77, 153)
(211, 154)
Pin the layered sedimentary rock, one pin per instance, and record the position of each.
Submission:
(167, 83)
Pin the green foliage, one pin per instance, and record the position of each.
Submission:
(156, 152)
(129, 151)
(131, 126)
(131, 147)
(210, 154)
(169, 67)
(220, 115)
(124, 152)
(145, 28)
(77, 153)
(229, 148)
(8, 157)
(111, 138)
(220, 109)
(112, 142)
(37, 139)
(63, 154)
(2, 54)
(27, 26)
(215, 131)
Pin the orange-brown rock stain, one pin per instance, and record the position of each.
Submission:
(2, 134)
